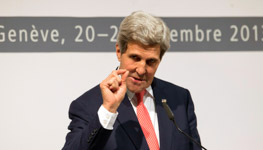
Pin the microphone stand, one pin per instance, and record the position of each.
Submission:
(171, 117)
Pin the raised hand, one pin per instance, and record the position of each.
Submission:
(113, 89)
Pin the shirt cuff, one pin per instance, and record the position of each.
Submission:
(107, 119)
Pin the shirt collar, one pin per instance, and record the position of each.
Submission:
(149, 92)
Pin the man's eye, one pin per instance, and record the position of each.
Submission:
(134, 57)
(151, 61)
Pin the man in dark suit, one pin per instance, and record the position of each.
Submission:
(125, 112)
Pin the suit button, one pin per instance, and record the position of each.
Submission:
(104, 122)
(89, 139)
(107, 116)
(94, 132)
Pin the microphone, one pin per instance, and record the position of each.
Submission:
(171, 117)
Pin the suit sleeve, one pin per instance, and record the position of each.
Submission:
(86, 132)
(192, 121)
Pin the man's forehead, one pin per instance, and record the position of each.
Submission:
(143, 45)
(145, 55)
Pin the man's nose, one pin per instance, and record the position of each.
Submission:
(141, 68)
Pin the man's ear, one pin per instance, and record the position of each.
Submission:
(118, 52)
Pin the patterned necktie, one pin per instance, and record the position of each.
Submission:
(146, 123)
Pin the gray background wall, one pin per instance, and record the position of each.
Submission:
(37, 88)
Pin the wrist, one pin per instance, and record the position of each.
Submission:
(110, 108)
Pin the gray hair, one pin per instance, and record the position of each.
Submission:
(146, 29)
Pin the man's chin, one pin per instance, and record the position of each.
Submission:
(135, 89)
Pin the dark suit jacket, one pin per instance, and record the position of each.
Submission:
(87, 133)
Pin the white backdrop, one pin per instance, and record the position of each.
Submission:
(36, 89)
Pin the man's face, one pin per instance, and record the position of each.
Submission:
(142, 62)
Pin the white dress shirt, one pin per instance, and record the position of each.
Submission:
(107, 119)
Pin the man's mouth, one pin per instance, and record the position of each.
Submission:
(136, 79)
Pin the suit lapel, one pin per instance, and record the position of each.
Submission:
(165, 125)
(128, 120)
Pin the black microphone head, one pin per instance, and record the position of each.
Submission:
(167, 109)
